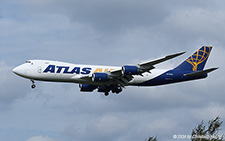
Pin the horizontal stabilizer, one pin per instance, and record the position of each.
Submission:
(200, 72)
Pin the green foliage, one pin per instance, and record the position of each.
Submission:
(208, 133)
(152, 139)
(203, 132)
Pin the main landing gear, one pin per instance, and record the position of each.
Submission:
(33, 85)
(106, 93)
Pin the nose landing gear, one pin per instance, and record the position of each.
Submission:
(33, 85)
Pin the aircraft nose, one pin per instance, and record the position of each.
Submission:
(18, 70)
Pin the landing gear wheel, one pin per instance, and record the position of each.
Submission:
(106, 93)
(33, 86)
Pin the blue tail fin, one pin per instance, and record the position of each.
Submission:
(196, 61)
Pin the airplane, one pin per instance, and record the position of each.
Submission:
(115, 79)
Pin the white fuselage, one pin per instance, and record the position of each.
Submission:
(56, 71)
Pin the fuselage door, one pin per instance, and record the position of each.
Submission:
(39, 69)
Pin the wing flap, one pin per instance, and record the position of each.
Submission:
(115, 73)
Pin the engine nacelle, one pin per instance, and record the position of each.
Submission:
(87, 88)
(130, 70)
(100, 77)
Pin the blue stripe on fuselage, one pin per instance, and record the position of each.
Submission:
(171, 76)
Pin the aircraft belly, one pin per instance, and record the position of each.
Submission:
(146, 76)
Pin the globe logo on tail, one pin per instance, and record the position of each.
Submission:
(198, 57)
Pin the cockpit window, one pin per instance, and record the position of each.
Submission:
(29, 62)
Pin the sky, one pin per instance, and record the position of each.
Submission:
(112, 32)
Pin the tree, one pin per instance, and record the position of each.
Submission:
(152, 139)
(203, 132)
(210, 133)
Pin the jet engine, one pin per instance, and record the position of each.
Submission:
(100, 77)
(87, 88)
(130, 70)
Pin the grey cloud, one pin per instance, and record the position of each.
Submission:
(40, 138)
(11, 87)
(196, 23)
(116, 15)
(107, 15)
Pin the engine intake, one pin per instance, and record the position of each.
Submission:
(100, 77)
(87, 88)
(130, 70)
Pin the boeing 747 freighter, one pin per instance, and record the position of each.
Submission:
(114, 79)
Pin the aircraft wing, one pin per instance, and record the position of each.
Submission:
(150, 64)
(123, 78)
(123, 75)
(146, 66)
